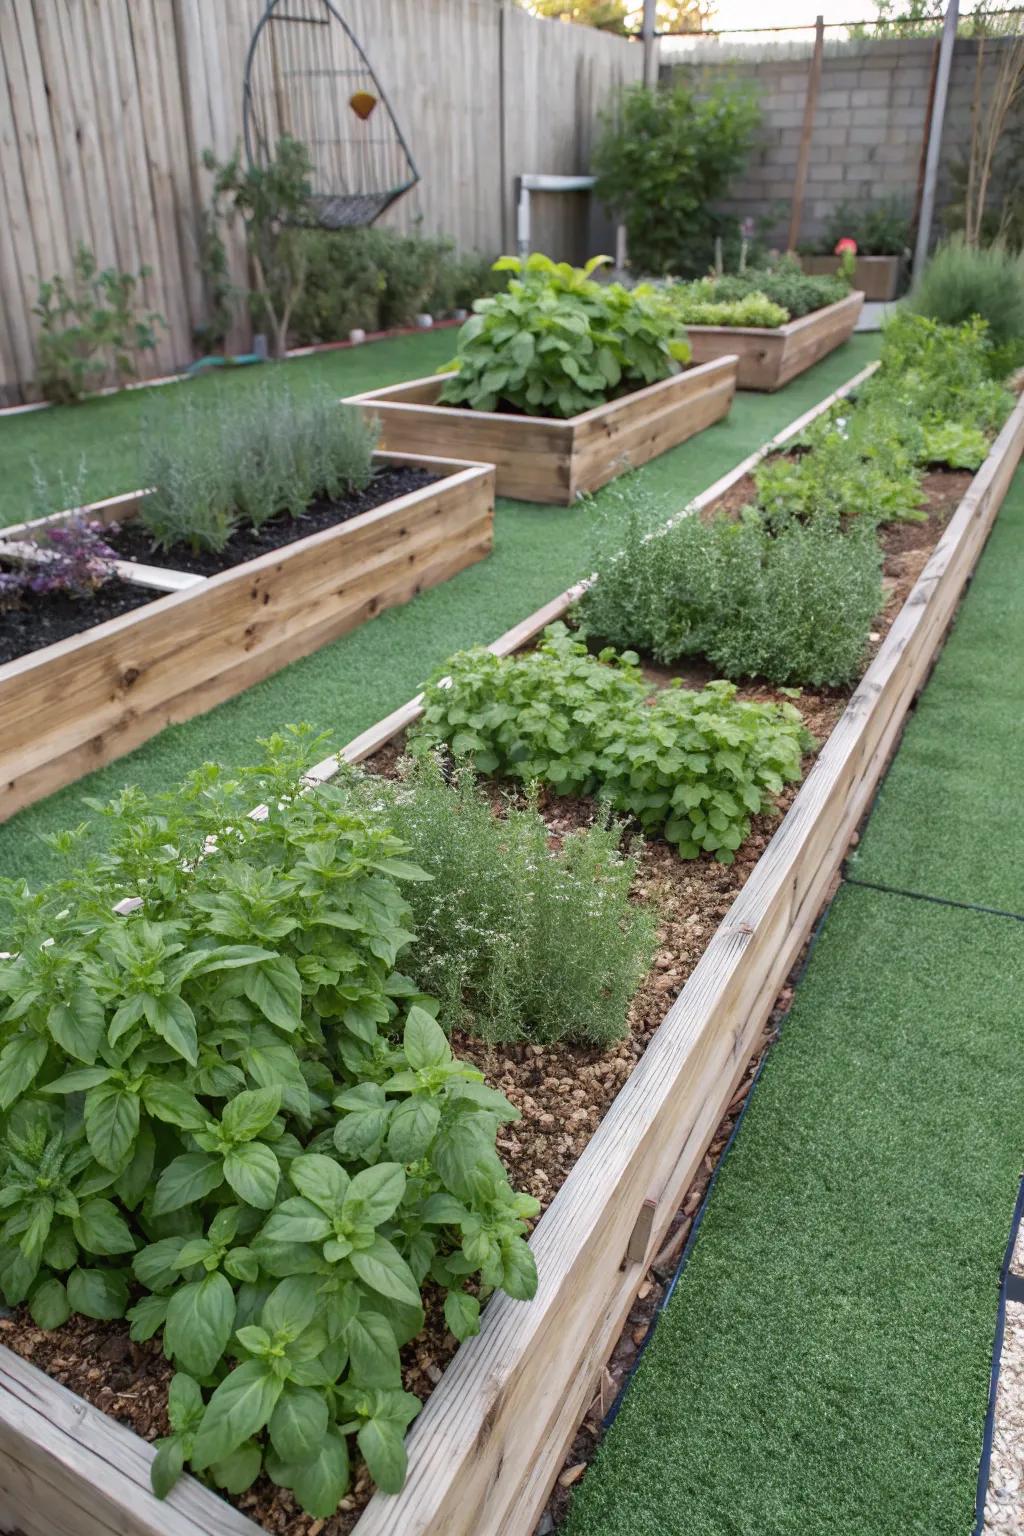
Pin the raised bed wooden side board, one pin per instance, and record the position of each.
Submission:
(542, 458)
(877, 277)
(85, 701)
(490, 1441)
(769, 359)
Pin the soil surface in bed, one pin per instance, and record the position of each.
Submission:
(133, 541)
(43, 620)
(562, 1091)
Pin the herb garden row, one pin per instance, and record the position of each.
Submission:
(238, 1136)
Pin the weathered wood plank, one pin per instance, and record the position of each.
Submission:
(877, 277)
(545, 459)
(66, 1469)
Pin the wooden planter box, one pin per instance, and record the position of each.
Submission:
(489, 1443)
(769, 359)
(87, 700)
(876, 277)
(543, 458)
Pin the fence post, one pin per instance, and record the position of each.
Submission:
(931, 164)
(650, 40)
(810, 108)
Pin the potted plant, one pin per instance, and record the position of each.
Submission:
(880, 234)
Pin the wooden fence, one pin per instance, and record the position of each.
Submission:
(107, 105)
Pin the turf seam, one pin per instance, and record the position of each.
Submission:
(939, 901)
(997, 1357)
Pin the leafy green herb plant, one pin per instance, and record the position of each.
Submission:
(793, 606)
(91, 330)
(556, 343)
(518, 940)
(227, 1113)
(692, 765)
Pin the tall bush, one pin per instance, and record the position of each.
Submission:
(663, 159)
(961, 281)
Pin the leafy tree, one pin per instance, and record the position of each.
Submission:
(663, 159)
(271, 200)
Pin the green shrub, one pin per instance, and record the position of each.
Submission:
(375, 279)
(932, 372)
(960, 282)
(519, 942)
(232, 1106)
(556, 343)
(783, 283)
(694, 766)
(794, 608)
(90, 329)
(663, 158)
(755, 309)
(261, 454)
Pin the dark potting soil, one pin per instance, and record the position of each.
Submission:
(45, 620)
(133, 541)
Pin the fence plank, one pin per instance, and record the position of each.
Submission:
(112, 103)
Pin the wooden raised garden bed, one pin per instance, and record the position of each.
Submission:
(769, 359)
(491, 1439)
(84, 701)
(876, 277)
(543, 458)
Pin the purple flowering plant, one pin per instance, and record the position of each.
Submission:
(77, 562)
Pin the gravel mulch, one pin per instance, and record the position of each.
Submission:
(1004, 1503)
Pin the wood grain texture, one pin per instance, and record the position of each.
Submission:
(66, 1469)
(769, 359)
(544, 459)
(77, 705)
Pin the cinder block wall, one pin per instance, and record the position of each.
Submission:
(869, 127)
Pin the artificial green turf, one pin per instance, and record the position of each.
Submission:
(947, 821)
(348, 685)
(822, 1368)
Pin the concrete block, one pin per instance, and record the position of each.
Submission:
(870, 97)
(864, 172)
(787, 120)
(829, 137)
(906, 117)
(837, 79)
(830, 100)
(867, 137)
(895, 154)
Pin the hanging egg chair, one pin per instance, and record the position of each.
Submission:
(307, 76)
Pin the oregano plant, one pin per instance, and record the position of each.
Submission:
(229, 1116)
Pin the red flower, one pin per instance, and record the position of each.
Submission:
(844, 245)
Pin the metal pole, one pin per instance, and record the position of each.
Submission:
(804, 156)
(649, 33)
(931, 165)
